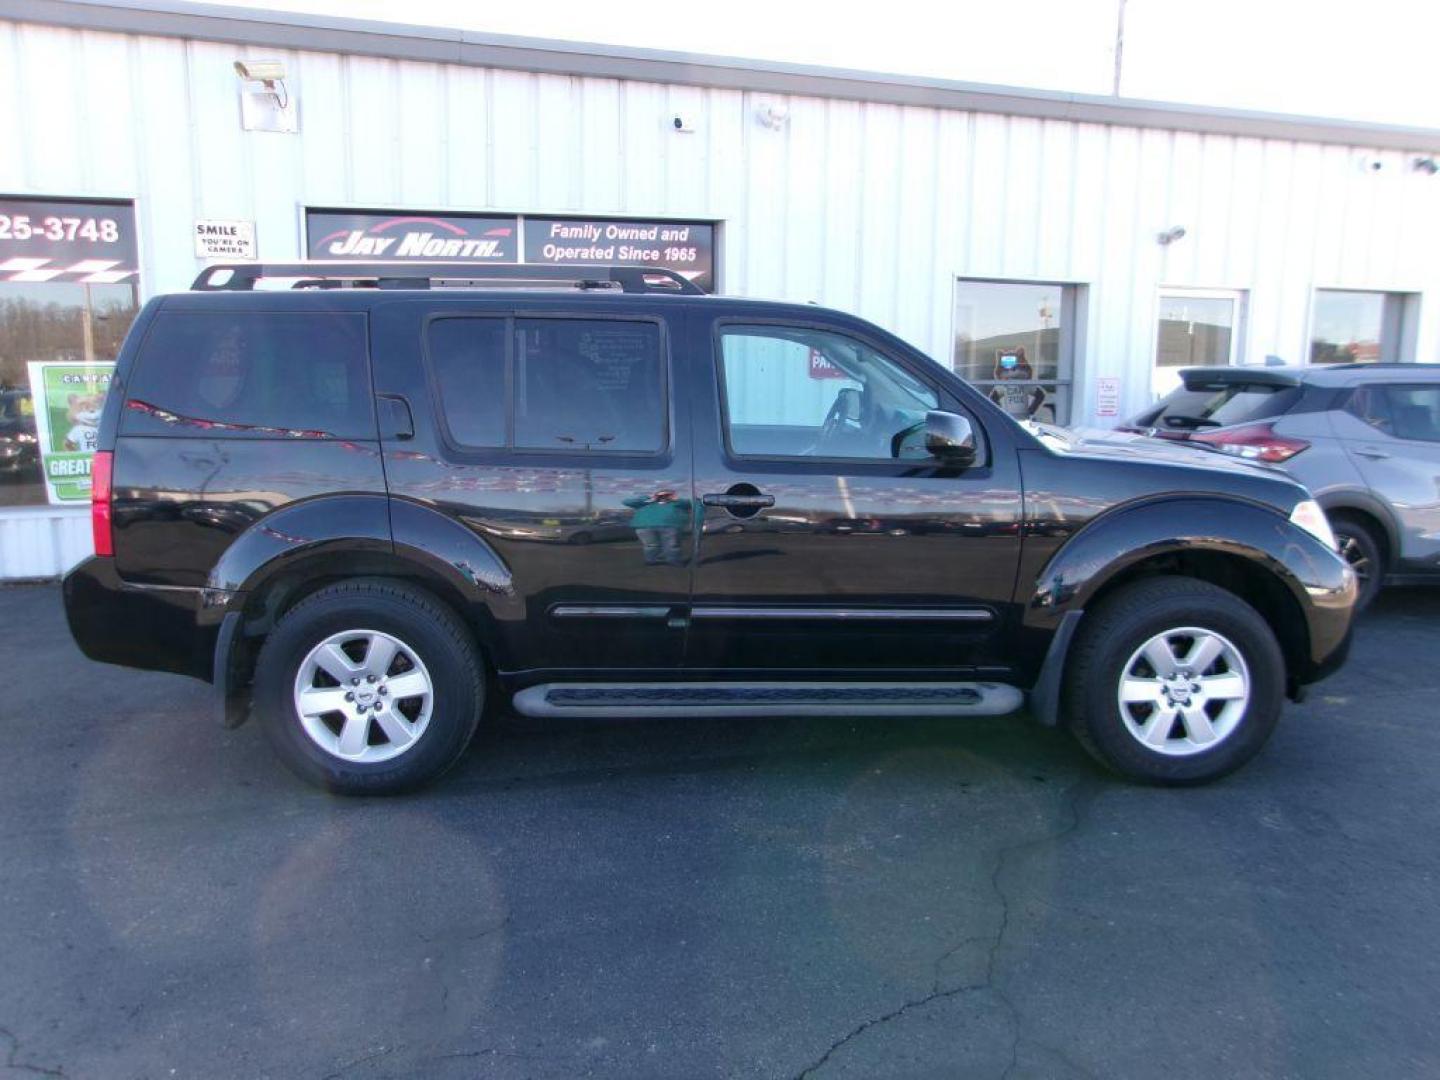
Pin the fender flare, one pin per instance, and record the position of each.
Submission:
(1118, 540)
(378, 535)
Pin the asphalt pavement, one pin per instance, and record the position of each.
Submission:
(704, 898)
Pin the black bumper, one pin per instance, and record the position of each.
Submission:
(140, 626)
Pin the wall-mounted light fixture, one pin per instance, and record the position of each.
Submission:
(265, 100)
(1170, 235)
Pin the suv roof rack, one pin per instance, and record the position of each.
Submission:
(1387, 366)
(333, 274)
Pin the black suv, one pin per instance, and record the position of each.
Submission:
(364, 505)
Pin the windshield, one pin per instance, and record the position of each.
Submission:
(1219, 404)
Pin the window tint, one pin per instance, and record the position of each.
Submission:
(794, 392)
(1219, 404)
(467, 361)
(586, 384)
(252, 374)
(1406, 412)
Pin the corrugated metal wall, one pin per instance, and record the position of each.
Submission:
(874, 208)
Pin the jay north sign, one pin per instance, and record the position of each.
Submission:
(684, 246)
(343, 235)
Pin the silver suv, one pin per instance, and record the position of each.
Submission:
(1364, 438)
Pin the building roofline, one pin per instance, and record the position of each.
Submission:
(438, 44)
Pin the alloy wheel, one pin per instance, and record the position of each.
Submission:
(1184, 691)
(363, 696)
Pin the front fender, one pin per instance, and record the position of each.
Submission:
(1314, 575)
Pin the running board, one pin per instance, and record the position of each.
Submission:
(769, 699)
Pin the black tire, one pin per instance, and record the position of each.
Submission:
(1360, 547)
(428, 628)
(1127, 619)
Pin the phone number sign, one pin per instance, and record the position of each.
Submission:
(67, 240)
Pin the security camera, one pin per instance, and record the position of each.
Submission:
(1169, 236)
(773, 115)
(266, 71)
(1370, 163)
(1427, 165)
(679, 123)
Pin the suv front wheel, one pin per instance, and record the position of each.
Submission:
(1174, 681)
(369, 687)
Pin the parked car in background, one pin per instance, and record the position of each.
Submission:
(1364, 438)
(19, 449)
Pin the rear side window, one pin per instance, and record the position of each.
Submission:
(250, 374)
(588, 385)
(1406, 412)
(1200, 405)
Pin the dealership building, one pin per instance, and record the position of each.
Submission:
(1066, 252)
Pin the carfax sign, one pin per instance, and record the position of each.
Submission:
(684, 246)
(67, 240)
(68, 402)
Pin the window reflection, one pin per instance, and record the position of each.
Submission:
(56, 321)
(1012, 340)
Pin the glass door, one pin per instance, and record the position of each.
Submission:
(1195, 328)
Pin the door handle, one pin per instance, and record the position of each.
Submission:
(395, 419)
(738, 502)
(1371, 453)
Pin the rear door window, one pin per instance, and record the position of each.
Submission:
(558, 384)
(252, 374)
(1198, 406)
(584, 384)
(1404, 412)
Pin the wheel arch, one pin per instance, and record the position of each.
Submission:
(292, 554)
(1368, 510)
(1250, 549)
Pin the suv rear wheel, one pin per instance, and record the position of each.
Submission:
(369, 687)
(1174, 681)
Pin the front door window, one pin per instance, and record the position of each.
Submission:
(800, 392)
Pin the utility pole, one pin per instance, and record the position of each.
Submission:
(1119, 44)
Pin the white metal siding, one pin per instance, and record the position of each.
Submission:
(42, 541)
(875, 208)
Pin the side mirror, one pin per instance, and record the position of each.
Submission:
(950, 438)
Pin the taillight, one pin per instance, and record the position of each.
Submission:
(1254, 442)
(100, 502)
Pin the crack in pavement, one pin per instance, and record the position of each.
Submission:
(384, 1051)
(1082, 791)
(20, 1066)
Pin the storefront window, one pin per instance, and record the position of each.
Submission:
(56, 322)
(1354, 327)
(1014, 341)
(68, 295)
